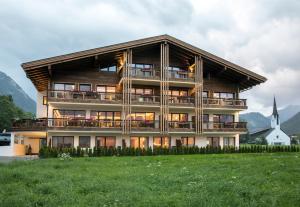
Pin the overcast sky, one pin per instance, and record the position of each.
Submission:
(263, 36)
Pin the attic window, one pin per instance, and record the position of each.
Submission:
(111, 68)
(277, 137)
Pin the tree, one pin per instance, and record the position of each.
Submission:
(9, 111)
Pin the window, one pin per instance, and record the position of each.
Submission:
(178, 117)
(84, 141)
(176, 69)
(213, 141)
(224, 95)
(161, 142)
(45, 100)
(141, 66)
(178, 92)
(143, 116)
(142, 91)
(62, 141)
(106, 115)
(228, 141)
(106, 89)
(111, 68)
(139, 142)
(85, 87)
(69, 114)
(205, 118)
(64, 86)
(223, 118)
(205, 94)
(188, 141)
(106, 141)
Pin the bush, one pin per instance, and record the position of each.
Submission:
(51, 152)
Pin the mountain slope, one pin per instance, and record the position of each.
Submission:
(9, 87)
(255, 121)
(292, 126)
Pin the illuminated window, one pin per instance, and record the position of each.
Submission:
(178, 117)
(139, 142)
(161, 142)
(44, 100)
(188, 141)
(62, 141)
(69, 114)
(224, 95)
(106, 141)
(106, 89)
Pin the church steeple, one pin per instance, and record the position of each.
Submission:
(275, 116)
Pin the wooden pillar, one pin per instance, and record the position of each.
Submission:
(198, 95)
(164, 88)
(127, 85)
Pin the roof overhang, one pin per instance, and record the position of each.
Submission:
(39, 71)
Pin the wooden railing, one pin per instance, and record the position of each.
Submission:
(42, 124)
(85, 95)
(182, 100)
(144, 99)
(148, 73)
(181, 75)
(221, 102)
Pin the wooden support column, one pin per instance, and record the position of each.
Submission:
(127, 85)
(198, 95)
(164, 88)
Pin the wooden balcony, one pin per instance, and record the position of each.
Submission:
(116, 125)
(30, 125)
(224, 103)
(187, 101)
(224, 127)
(144, 99)
(84, 97)
(181, 76)
(143, 73)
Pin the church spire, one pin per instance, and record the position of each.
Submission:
(275, 112)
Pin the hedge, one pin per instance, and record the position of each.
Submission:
(50, 152)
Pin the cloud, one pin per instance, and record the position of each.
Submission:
(261, 35)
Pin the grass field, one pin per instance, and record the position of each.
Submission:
(186, 180)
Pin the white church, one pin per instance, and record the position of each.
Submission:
(273, 135)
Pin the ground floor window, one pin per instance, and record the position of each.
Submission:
(161, 142)
(85, 141)
(213, 141)
(62, 141)
(139, 142)
(228, 141)
(188, 141)
(106, 141)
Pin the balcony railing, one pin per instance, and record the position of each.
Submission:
(61, 123)
(181, 75)
(84, 96)
(182, 100)
(224, 126)
(85, 123)
(30, 125)
(148, 73)
(181, 125)
(145, 99)
(221, 102)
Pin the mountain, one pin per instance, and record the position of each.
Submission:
(288, 112)
(255, 121)
(292, 126)
(9, 87)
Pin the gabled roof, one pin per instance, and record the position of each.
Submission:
(33, 65)
(261, 133)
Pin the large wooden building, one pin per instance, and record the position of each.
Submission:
(152, 92)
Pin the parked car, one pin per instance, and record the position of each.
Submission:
(4, 139)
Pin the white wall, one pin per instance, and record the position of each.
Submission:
(282, 137)
(41, 110)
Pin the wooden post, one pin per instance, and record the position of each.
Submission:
(198, 95)
(164, 88)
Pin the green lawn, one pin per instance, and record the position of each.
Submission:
(187, 180)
